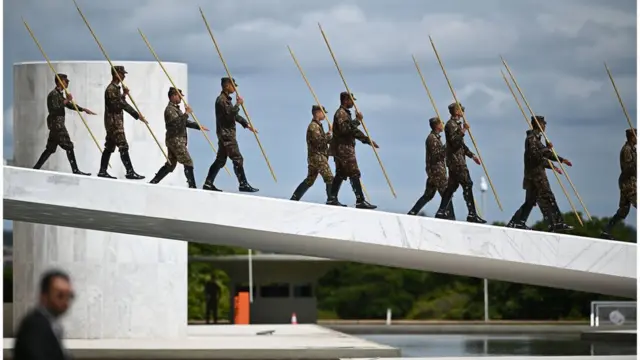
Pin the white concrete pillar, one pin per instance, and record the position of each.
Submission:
(127, 286)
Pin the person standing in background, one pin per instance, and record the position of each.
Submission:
(39, 336)
(212, 298)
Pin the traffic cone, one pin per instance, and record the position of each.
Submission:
(294, 319)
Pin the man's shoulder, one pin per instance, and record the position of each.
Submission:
(33, 317)
(313, 125)
(52, 92)
(222, 98)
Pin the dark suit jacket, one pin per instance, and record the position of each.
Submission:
(35, 339)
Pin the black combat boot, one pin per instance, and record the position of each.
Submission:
(300, 191)
(361, 202)
(451, 215)
(162, 172)
(335, 189)
(191, 179)
(74, 165)
(606, 232)
(467, 193)
(422, 201)
(242, 180)
(43, 159)
(558, 224)
(211, 177)
(328, 190)
(126, 161)
(104, 164)
(519, 219)
(445, 203)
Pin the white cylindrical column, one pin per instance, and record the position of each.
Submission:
(127, 286)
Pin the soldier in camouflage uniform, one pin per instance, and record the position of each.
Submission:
(436, 169)
(58, 134)
(317, 155)
(626, 182)
(114, 104)
(456, 150)
(176, 138)
(227, 115)
(343, 150)
(536, 184)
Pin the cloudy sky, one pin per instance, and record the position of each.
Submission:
(556, 49)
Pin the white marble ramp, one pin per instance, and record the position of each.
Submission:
(232, 342)
(284, 226)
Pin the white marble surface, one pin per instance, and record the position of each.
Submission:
(234, 342)
(277, 225)
(128, 286)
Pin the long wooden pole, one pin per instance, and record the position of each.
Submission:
(64, 87)
(146, 41)
(624, 108)
(555, 154)
(553, 169)
(313, 93)
(226, 68)
(455, 98)
(364, 126)
(113, 69)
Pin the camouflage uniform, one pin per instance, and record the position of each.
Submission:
(626, 183)
(114, 104)
(317, 157)
(176, 124)
(58, 134)
(436, 170)
(536, 183)
(227, 115)
(343, 149)
(456, 150)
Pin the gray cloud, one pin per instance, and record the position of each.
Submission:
(556, 50)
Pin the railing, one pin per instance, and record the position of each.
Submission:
(613, 313)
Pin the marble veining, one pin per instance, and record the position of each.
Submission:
(120, 294)
(541, 258)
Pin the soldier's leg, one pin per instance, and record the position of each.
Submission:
(549, 208)
(50, 149)
(167, 167)
(451, 215)
(353, 172)
(447, 196)
(65, 143)
(312, 174)
(122, 144)
(429, 192)
(337, 182)
(185, 159)
(519, 219)
(109, 148)
(627, 199)
(467, 194)
(327, 175)
(214, 169)
(238, 167)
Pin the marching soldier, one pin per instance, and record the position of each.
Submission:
(58, 134)
(626, 182)
(536, 183)
(436, 169)
(343, 149)
(226, 118)
(456, 150)
(317, 155)
(114, 104)
(176, 124)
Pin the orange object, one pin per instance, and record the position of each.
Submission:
(241, 308)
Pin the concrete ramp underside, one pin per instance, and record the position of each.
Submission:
(284, 226)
